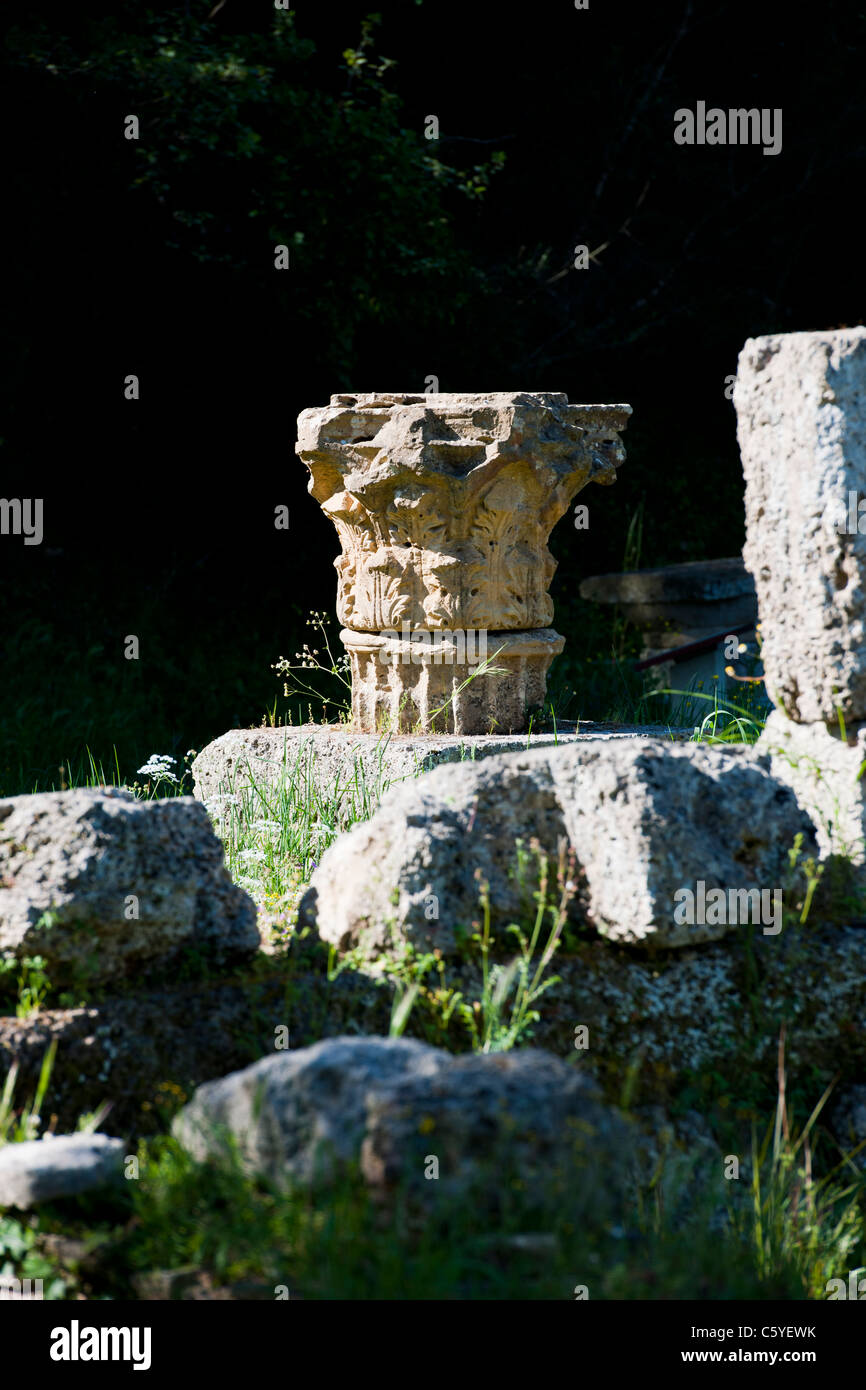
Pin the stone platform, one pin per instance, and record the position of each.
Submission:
(322, 758)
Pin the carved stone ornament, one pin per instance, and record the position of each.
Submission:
(443, 505)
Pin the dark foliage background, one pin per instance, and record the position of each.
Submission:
(409, 258)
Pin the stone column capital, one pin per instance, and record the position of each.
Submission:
(444, 503)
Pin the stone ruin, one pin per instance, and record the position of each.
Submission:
(417, 486)
(443, 505)
(801, 412)
(695, 813)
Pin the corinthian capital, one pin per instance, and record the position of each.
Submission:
(444, 503)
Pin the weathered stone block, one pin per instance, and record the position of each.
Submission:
(127, 881)
(389, 1103)
(647, 822)
(300, 1114)
(801, 425)
(491, 1119)
(330, 761)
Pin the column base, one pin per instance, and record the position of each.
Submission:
(400, 685)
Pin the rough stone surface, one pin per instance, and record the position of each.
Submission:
(801, 425)
(643, 819)
(823, 769)
(490, 1118)
(326, 759)
(390, 1103)
(40, 1170)
(300, 1114)
(83, 855)
(693, 1009)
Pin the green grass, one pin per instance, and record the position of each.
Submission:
(781, 1231)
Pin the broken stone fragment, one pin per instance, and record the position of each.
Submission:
(652, 826)
(392, 1105)
(41, 1170)
(97, 882)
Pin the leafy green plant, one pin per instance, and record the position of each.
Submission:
(724, 723)
(162, 780)
(404, 1000)
(504, 1015)
(812, 871)
(17, 1127)
(276, 828)
(32, 984)
(18, 1243)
